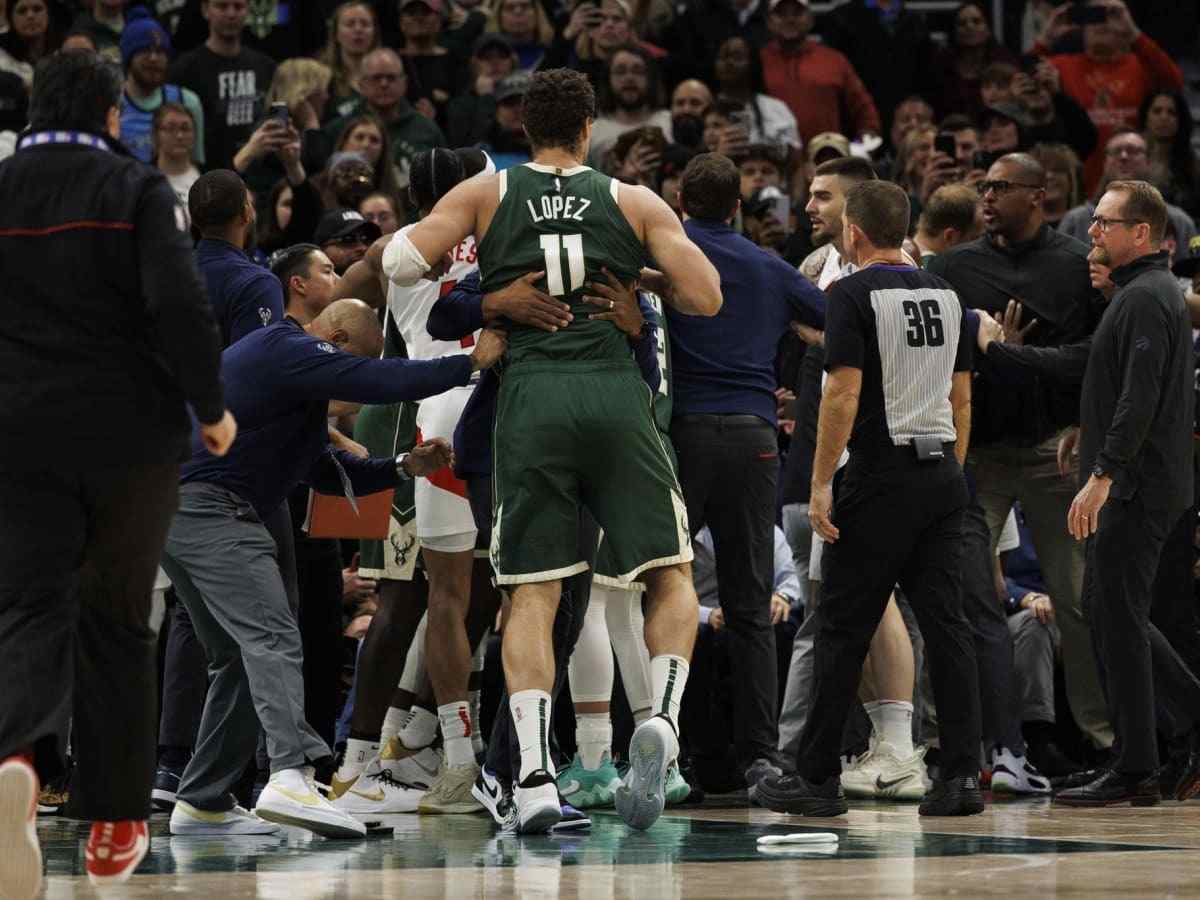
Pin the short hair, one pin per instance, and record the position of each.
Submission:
(1122, 132)
(852, 168)
(291, 261)
(1030, 167)
(998, 73)
(432, 174)
(956, 122)
(216, 199)
(710, 187)
(881, 209)
(558, 104)
(73, 91)
(1143, 203)
(1060, 157)
(167, 108)
(950, 206)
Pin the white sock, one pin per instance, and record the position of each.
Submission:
(358, 754)
(668, 678)
(531, 716)
(593, 736)
(393, 723)
(641, 715)
(892, 720)
(455, 719)
(420, 729)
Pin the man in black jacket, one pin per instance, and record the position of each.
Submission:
(1015, 421)
(1135, 452)
(105, 334)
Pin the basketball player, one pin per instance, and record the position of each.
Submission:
(574, 423)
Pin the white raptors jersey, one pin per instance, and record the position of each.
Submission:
(410, 306)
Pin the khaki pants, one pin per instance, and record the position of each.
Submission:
(1030, 475)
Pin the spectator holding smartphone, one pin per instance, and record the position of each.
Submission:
(972, 49)
(632, 98)
(1051, 117)
(1116, 71)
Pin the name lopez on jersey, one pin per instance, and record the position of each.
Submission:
(559, 206)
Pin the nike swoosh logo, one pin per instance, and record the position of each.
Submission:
(302, 799)
(491, 791)
(377, 797)
(881, 785)
(571, 787)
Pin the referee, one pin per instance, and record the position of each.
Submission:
(899, 393)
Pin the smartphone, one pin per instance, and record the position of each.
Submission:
(1085, 14)
(781, 206)
(279, 113)
(946, 143)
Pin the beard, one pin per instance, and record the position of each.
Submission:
(626, 104)
(1100, 256)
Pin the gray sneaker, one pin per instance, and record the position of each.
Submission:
(758, 770)
(642, 794)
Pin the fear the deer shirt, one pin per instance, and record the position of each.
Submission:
(232, 90)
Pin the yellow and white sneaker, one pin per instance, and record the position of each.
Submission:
(377, 793)
(187, 819)
(418, 768)
(291, 798)
(337, 787)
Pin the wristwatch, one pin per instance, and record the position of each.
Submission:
(401, 472)
(1098, 471)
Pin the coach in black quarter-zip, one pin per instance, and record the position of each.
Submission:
(1135, 462)
(898, 395)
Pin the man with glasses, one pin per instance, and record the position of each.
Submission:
(1135, 465)
(1014, 434)
(383, 84)
(1126, 158)
(344, 235)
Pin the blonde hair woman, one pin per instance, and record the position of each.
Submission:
(1064, 185)
(525, 25)
(303, 84)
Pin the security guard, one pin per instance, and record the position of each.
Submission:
(899, 394)
(105, 334)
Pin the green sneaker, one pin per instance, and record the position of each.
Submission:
(677, 790)
(589, 788)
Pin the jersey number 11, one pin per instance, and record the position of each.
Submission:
(553, 246)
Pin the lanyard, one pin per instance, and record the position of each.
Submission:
(42, 138)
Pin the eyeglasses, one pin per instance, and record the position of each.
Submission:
(1125, 151)
(1003, 187)
(350, 240)
(1105, 224)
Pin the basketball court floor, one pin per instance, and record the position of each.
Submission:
(1018, 849)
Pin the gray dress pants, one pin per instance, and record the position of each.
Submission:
(223, 563)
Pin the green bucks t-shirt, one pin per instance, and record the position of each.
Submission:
(566, 223)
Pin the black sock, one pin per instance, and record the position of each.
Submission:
(356, 735)
(173, 758)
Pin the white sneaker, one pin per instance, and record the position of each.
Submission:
(858, 776)
(642, 794)
(492, 796)
(186, 819)
(418, 768)
(1012, 774)
(537, 803)
(20, 854)
(291, 798)
(377, 793)
(899, 777)
(450, 793)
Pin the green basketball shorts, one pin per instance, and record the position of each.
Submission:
(581, 434)
(389, 431)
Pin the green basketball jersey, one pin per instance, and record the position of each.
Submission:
(565, 222)
(662, 400)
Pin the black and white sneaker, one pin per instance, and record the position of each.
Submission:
(166, 786)
(572, 818)
(493, 795)
(1012, 774)
(537, 803)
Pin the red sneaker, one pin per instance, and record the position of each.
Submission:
(114, 851)
(20, 855)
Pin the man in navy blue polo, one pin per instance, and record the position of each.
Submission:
(724, 431)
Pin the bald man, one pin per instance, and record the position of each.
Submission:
(689, 102)
(279, 382)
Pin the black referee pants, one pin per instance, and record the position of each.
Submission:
(728, 469)
(78, 556)
(900, 522)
